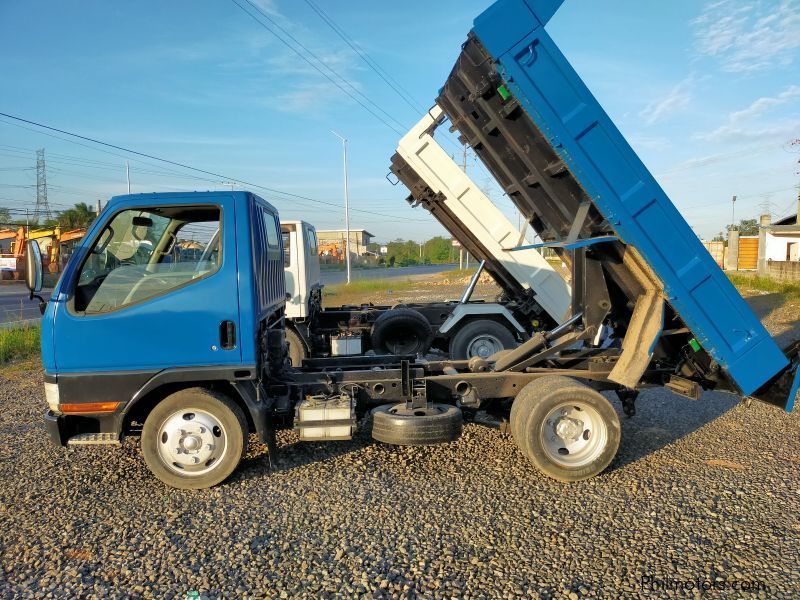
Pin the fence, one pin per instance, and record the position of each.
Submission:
(717, 250)
(19, 315)
(784, 270)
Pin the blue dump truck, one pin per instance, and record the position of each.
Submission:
(189, 352)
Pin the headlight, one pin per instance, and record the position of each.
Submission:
(51, 393)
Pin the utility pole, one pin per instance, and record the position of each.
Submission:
(733, 212)
(346, 203)
(42, 206)
(128, 175)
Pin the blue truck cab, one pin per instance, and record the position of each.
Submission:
(165, 289)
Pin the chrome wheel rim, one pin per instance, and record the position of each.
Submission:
(574, 434)
(192, 442)
(484, 346)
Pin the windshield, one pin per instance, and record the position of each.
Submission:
(142, 253)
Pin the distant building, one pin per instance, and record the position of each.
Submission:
(359, 239)
(782, 240)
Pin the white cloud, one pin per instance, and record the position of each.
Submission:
(745, 126)
(745, 37)
(764, 104)
(677, 99)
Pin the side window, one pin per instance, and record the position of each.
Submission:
(287, 249)
(271, 226)
(312, 243)
(144, 253)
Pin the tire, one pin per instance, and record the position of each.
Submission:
(523, 403)
(215, 419)
(436, 424)
(481, 338)
(297, 349)
(401, 331)
(569, 431)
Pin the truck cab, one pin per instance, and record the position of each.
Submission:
(301, 269)
(131, 321)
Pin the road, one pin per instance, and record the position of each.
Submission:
(15, 305)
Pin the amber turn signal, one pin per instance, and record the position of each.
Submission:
(89, 407)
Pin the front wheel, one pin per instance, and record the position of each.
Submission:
(297, 349)
(194, 438)
(481, 338)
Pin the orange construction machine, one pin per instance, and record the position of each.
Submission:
(12, 245)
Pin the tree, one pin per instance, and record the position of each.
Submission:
(437, 250)
(746, 227)
(77, 217)
(5, 216)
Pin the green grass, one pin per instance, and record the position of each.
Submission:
(789, 289)
(458, 273)
(22, 342)
(365, 286)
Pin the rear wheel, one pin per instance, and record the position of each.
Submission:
(568, 430)
(194, 438)
(481, 338)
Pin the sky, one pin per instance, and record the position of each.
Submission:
(707, 92)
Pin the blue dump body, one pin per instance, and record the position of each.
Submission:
(555, 98)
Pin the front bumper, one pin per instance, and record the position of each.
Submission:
(56, 428)
(61, 428)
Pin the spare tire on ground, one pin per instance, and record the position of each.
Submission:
(401, 331)
(402, 426)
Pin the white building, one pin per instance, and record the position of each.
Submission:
(782, 240)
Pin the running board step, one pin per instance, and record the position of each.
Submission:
(89, 439)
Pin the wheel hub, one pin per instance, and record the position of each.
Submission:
(191, 441)
(574, 434)
(484, 346)
(568, 429)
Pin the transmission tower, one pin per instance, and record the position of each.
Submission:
(42, 205)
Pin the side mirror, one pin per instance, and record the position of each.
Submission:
(33, 267)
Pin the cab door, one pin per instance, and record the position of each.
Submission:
(157, 288)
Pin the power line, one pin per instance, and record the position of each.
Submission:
(218, 176)
(370, 62)
(314, 65)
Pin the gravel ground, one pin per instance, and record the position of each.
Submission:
(701, 492)
(706, 490)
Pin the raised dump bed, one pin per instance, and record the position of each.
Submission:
(438, 184)
(527, 114)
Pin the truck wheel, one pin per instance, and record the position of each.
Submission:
(401, 426)
(402, 331)
(569, 431)
(194, 438)
(481, 338)
(297, 349)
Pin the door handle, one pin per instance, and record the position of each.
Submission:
(227, 335)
